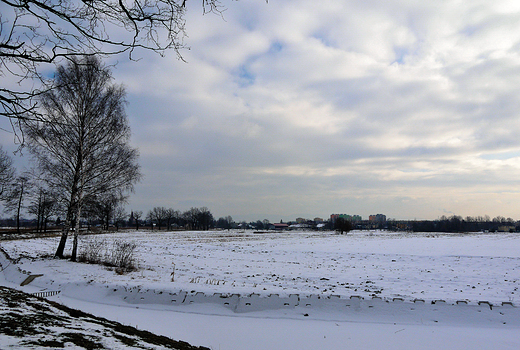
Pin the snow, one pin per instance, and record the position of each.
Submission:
(298, 286)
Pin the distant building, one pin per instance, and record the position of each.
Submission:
(356, 218)
(352, 218)
(379, 218)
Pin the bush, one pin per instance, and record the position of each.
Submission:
(92, 252)
(120, 255)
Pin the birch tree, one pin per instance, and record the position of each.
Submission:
(81, 142)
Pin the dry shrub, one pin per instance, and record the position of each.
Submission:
(120, 255)
(92, 251)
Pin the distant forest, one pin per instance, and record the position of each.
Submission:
(457, 224)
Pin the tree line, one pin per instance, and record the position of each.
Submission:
(109, 213)
(456, 223)
(194, 218)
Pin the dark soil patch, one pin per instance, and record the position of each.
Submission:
(32, 322)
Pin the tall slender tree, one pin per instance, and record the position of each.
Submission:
(43, 205)
(17, 195)
(82, 143)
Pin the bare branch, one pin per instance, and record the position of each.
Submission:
(35, 33)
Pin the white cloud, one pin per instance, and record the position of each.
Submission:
(340, 106)
(401, 107)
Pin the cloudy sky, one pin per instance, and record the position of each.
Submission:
(306, 108)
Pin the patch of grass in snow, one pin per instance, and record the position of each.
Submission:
(213, 282)
(120, 255)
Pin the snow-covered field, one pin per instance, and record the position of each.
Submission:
(451, 267)
(408, 266)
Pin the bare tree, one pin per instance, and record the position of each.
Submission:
(191, 216)
(43, 205)
(120, 216)
(82, 146)
(204, 219)
(138, 214)
(36, 33)
(102, 209)
(103, 206)
(343, 225)
(17, 195)
(7, 172)
(171, 216)
(225, 222)
(158, 215)
(198, 218)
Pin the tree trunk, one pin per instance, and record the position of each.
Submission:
(39, 214)
(63, 240)
(76, 230)
(66, 227)
(75, 241)
(19, 208)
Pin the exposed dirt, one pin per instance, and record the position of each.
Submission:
(30, 322)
